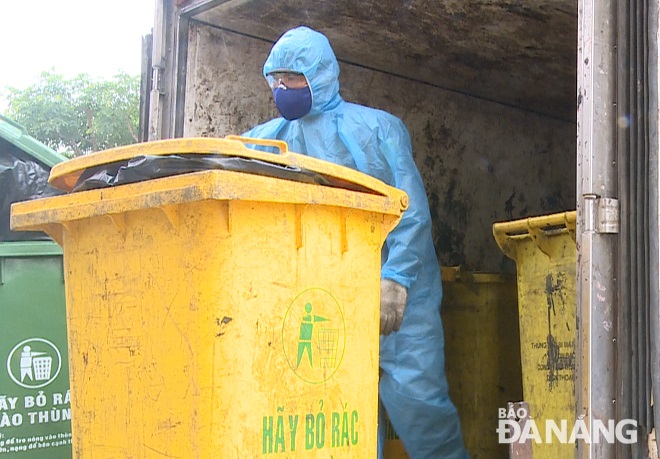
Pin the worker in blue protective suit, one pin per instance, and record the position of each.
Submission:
(303, 73)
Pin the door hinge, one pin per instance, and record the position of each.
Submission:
(156, 78)
(601, 215)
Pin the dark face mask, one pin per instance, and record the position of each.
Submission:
(293, 103)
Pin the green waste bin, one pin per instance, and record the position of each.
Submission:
(34, 373)
(34, 378)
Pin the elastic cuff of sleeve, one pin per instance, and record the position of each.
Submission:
(398, 279)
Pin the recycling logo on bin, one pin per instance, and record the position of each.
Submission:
(314, 335)
(34, 363)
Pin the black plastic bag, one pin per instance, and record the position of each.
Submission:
(141, 168)
(21, 179)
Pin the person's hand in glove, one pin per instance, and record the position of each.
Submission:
(393, 297)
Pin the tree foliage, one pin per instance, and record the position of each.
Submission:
(79, 115)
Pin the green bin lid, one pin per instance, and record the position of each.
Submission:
(29, 249)
(17, 135)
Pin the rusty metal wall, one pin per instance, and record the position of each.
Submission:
(527, 48)
(481, 161)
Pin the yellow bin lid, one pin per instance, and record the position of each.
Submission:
(64, 176)
(539, 229)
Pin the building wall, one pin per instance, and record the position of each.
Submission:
(481, 161)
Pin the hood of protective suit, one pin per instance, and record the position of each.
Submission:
(306, 51)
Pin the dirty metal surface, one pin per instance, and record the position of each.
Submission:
(516, 53)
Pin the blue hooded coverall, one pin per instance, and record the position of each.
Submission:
(413, 387)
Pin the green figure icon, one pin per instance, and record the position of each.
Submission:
(306, 332)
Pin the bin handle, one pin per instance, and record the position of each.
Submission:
(535, 227)
(279, 144)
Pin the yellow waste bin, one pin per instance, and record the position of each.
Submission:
(221, 314)
(480, 320)
(545, 254)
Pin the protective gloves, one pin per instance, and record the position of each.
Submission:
(393, 297)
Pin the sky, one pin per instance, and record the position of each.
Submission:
(98, 37)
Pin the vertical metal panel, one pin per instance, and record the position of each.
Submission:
(169, 66)
(596, 295)
(179, 76)
(627, 377)
(156, 100)
(636, 307)
(145, 87)
(638, 201)
(164, 71)
(625, 337)
(654, 312)
(644, 402)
